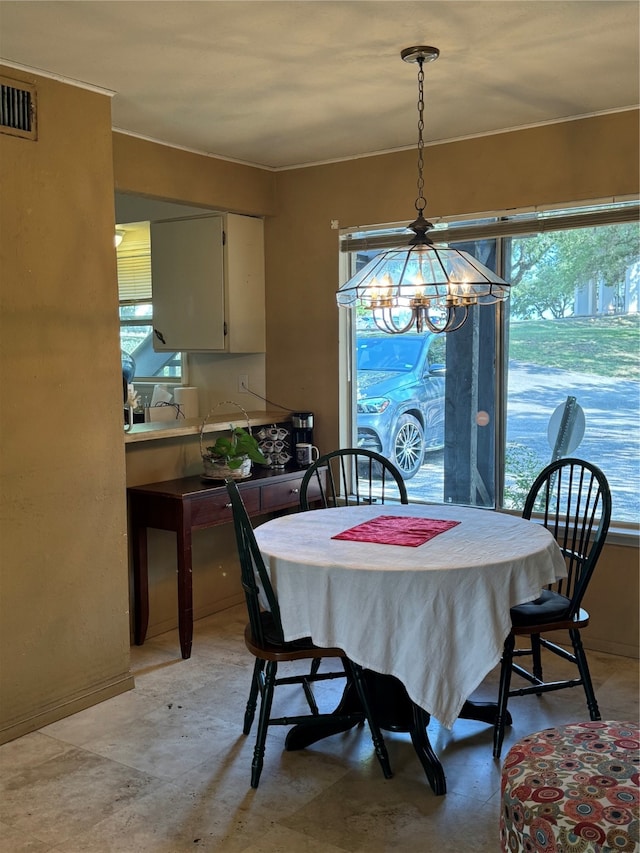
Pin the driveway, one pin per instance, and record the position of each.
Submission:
(611, 438)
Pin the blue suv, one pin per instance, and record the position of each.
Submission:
(400, 404)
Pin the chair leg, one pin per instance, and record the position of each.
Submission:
(263, 722)
(585, 675)
(536, 655)
(311, 699)
(253, 696)
(376, 735)
(503, 694)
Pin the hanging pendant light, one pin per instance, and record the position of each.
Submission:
(429, 286)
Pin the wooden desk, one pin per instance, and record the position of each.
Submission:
(189, 504)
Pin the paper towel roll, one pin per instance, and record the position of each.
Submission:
(187, 398)
(161, 394)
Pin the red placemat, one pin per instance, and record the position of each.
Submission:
(397, 530)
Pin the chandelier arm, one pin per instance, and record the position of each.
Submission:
(452, 322)
(383, 321)
(406, 327)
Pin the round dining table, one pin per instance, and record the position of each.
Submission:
(417, 592)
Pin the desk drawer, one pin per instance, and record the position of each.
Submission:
(208, 510)
(281, 495)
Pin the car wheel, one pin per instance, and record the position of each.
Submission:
(408, 446)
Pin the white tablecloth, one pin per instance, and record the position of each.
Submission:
(435, 616)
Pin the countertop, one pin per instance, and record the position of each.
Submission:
(158, 430)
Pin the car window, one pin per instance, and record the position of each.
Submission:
(388, 353)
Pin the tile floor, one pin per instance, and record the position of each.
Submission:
(165, 768)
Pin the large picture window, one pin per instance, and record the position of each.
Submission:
(472, 416)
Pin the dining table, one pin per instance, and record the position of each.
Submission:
(417, 594)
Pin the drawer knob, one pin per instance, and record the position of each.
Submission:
(227, 506)
(294, 491)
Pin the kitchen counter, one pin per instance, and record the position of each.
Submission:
(158, 430)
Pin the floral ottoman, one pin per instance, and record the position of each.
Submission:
(572, 789)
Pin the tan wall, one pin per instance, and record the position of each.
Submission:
(64, 626)
(148, 169)
(64, 604)
(562, 163)
(570, 162)
(612, 601)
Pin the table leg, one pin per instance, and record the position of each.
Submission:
(304, 735)
(424, 751)
(185, 590)
(484, 712)
(393, 710)
(140, 582)
(397, 713)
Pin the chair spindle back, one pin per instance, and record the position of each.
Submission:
(574, 500)
(256, 584)
(353, 475)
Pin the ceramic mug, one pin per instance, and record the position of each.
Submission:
(306, 454)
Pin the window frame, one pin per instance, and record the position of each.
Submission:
(502, 226)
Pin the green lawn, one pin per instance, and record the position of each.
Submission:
(605, 346)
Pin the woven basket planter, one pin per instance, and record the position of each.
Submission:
(215, 468)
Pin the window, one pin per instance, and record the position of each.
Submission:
(136, 307)
(574, 358)
(555, 371)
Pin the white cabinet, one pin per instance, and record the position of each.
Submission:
(207, 276)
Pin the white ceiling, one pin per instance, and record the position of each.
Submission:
(279, 84)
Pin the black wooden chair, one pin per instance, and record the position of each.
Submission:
(264, 638)
(574, 502)
(353, 475)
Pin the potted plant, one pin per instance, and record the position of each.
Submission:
(232, 455)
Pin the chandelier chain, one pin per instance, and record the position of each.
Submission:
(420, 201)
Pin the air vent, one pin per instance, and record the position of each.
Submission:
(17, 108)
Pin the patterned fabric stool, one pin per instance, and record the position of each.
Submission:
(573, 789)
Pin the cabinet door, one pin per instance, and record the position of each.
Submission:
(245, 296)
(187, 278)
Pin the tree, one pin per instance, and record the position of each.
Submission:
(547, 269)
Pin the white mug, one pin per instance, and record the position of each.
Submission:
(305, 454)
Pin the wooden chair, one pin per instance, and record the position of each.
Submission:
(574, 501)
(264, 638)
(354, 475)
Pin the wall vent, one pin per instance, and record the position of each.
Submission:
(17, 108)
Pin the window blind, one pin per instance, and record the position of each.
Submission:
(518, 225)
(134, 266)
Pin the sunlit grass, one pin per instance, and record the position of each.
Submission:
(603, 346)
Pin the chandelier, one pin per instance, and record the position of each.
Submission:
(422, 284)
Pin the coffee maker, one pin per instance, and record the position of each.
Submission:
(302, 428)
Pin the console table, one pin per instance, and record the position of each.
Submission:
(188, 504)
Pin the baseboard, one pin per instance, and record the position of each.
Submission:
(610, 647)
(207, 609)
(67, 707)
(220, 604)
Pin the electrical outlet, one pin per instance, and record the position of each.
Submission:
(243, 383)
